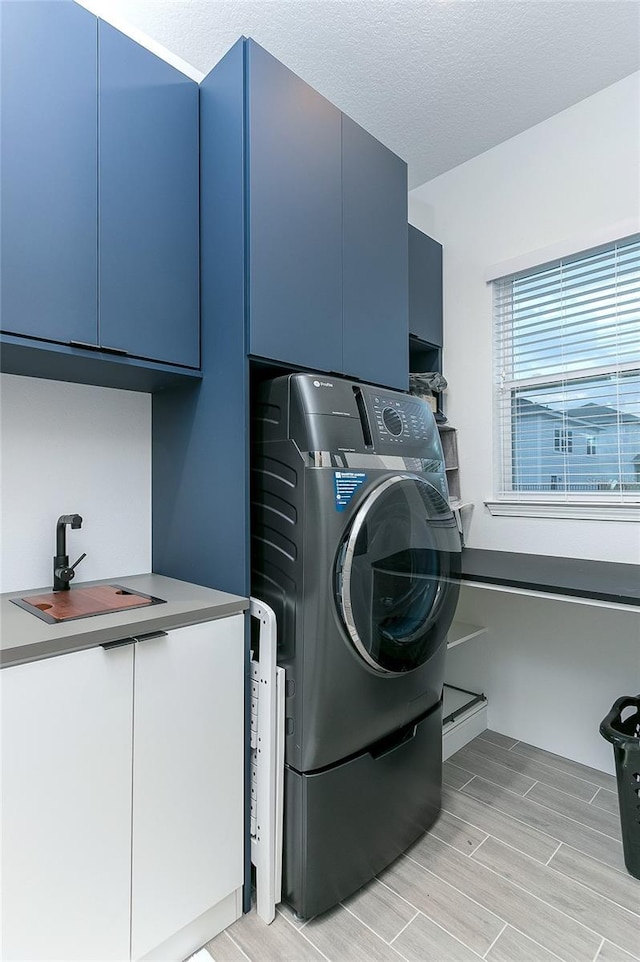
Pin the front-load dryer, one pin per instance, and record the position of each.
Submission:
(355, 548)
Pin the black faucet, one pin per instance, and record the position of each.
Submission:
(62, 572)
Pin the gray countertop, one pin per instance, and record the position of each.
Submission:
(24, 637)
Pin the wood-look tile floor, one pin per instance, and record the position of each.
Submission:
(523, 865)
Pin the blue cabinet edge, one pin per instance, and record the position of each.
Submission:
(425, 287)
(61, 362)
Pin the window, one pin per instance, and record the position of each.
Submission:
(567, 341)
(563, 441)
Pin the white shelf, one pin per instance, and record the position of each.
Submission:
(467, 723)
(464, 729)
(457, 505)
(461, 631)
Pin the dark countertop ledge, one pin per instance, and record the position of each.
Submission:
(598, 580)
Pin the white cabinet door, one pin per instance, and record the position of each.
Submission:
(187, 777)
(66, 806)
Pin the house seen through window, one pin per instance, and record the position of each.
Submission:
(567, 341)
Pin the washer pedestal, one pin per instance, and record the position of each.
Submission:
(337, 821)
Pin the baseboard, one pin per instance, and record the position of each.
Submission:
(193, 936)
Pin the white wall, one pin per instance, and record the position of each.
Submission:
(575, 175)
(71, 448)
(551, 670)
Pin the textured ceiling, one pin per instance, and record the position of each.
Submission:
(438, 81)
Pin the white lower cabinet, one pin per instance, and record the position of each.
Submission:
(122, 797)
(66, 806)
(187, 778)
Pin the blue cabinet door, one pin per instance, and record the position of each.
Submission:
(425, 287)
(148, 204)
(374, 186)
(294, 217)
(48, 171)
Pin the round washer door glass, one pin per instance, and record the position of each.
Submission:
(395, 567)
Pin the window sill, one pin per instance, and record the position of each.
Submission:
(584, 511)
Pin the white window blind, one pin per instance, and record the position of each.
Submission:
(567, 363)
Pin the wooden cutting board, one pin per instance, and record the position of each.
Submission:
(79, 602)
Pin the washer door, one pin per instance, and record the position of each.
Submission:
(398, 562)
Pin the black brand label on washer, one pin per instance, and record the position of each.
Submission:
(346, 483)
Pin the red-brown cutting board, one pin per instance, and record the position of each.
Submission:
(77, 602)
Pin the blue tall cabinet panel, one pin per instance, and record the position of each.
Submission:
(48, 280)
(425, 287)
(201, 434)
(148, 200)
(374, 196)
(294, 217)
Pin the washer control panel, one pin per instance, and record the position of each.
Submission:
(401, 419)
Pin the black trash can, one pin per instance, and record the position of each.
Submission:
(624, 735)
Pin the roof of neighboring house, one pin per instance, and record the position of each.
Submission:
(529, 408)
(588, 418)
(603, 416)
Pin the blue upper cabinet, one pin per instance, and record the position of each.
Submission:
(48, 221)
(326, 212)
(148, 203)
(294, 212)
(375, 313)
(425, 287)
(100, 209)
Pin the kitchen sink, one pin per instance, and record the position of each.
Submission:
(86, 602)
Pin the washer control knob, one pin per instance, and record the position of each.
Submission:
(392, 421)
